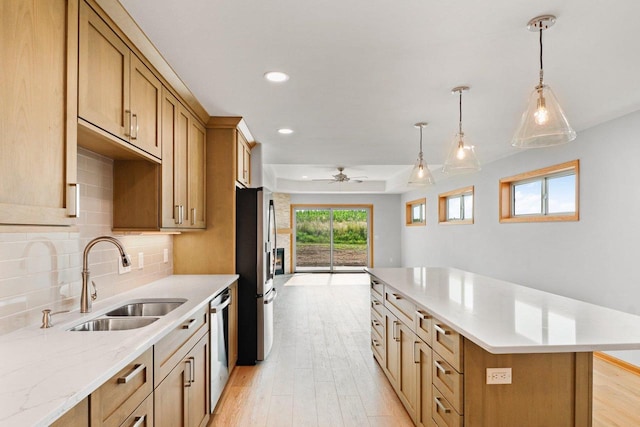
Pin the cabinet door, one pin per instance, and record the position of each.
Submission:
(103, 81)
(239, 158)
(170, 109)
(392, 343)
(38, 116)
(171, 397)
(145, 97)
(198, 391)
(196, 175)
(247, 165)
(408, 357)
(423, 386)
(78, 416)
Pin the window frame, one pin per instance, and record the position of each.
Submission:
(443, 199)
(409, 212)
(506, 203)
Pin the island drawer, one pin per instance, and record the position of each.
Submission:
(443, 413)
(422, 325)
(447, 343)
(172, 348)
(400, 306)
(376, 305)
(142, 416)
(117, 398)
(377, 346)
(377, 325)
(377, 288)
(448, 381)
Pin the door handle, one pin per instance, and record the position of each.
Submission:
(218, 308)
(274, 294)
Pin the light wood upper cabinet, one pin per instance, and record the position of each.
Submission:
(118, 96)
(38, 85)
(196, 163)
(243, 160)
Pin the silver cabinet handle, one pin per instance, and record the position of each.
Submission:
(181, 214)
(396, 296)
(441, 330)
(376, 343)
(441, 368)
(441, 406)
(73, 201)
(396, 323)
(176, 214)
(138, 421)
(189, 381)
(416, 352)
(422, 315)
(134, 127)
(136, 370)
(375, 302)
(193, 369)
(127, 124)
(193, 216)
(189, 323)
(375, 323)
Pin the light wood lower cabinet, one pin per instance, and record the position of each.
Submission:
(182, 397)
(423, 387)
(78, 416)
(38, 111)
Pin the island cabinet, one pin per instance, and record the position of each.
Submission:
(119, 98)
(78, 416)
(38, 112)
(441, 377)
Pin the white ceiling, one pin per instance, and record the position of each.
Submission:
(363, 72)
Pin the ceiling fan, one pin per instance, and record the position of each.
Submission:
(342, 177)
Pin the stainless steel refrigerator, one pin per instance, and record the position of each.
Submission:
(255, 264)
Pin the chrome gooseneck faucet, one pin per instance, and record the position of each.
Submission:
(85, 300)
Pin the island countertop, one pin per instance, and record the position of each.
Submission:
(45, 372)
(504, 317)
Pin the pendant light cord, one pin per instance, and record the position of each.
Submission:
(460, 109)
(420, 155)
(541, 72)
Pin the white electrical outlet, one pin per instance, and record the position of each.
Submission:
(140, 260)
(121, 269)
(166, 255)
(498, 375)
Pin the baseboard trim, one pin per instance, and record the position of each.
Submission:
(617, 362)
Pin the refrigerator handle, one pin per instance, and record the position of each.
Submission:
(274, 294)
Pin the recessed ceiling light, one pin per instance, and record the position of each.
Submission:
(304, 177)
(285, 131)
(276, 76)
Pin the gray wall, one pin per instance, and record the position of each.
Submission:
(593, 260)
(386, 221)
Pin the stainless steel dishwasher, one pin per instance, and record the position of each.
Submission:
(219, 342)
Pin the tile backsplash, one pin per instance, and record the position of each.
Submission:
(42, 269)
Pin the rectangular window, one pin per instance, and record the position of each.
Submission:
(416, 212)
(548, 194)
(456, 207)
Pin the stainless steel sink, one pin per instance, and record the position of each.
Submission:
(146, 308)
(114, 324)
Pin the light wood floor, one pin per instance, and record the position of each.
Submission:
(321, 371)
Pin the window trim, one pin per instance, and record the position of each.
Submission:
(442, 206)
(505, 203)
(408, 212)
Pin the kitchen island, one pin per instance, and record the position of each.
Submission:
(486, 352)
(46, 372)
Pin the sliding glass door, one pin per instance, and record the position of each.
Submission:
(331, 238)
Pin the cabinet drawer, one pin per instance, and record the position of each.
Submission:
(376, 305)
(172, 348)
(448, 381)
(377, 326)
(401, 307)
(443, 413)
(377, 288)
(422, 325)
(377, 347)
(142, 416)
(117, 398)
(447, 343)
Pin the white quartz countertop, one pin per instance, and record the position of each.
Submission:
(45, 372)
(503, 317)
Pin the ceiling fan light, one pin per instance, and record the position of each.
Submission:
(543, 123)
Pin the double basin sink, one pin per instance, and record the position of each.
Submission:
(131, 315)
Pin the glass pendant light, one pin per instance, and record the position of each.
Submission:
(420, 174)
(462, 157)
(543, 123)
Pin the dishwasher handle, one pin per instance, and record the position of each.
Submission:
(218, 308)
